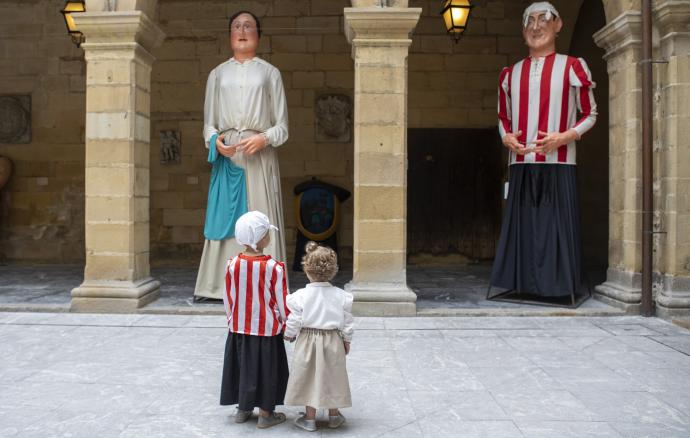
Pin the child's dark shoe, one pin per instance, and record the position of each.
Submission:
(271, 420)
(303, 423)
(336, 421)
(242, 416)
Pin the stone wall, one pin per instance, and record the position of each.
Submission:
(450, 86)
(42, 216)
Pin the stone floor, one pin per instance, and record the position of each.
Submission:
(133, 376)
(441, 290)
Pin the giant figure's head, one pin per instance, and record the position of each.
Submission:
(245, 31)
(540, 25)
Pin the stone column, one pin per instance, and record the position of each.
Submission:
(380, 42)
(117, 52)
(672, 18)
(621, 40)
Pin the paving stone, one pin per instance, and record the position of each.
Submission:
(159, 376)
(651, 430)
(442, 426)
(542, 405)
(643, 407)
(567, 429)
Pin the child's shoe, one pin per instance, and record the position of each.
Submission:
(271, 420)
(303, 423)
(242, 416)
(336, 421)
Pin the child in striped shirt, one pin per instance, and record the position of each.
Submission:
(255, 369)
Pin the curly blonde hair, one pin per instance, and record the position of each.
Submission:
(320, 262)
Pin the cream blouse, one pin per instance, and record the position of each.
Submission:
(321, 306)
(246, 95)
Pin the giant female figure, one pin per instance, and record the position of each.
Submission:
(245, 119)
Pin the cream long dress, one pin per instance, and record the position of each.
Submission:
(241, 100)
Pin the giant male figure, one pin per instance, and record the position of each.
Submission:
(545, 104)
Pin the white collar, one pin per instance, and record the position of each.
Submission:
(246, 61)
(319, 284)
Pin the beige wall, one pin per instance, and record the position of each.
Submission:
(45, 219)
(449, 86)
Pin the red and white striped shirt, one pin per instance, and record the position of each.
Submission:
(255, 292)
(545, 94)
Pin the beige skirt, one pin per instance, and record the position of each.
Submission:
(263, 194)
(318, 377)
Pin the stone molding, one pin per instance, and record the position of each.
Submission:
(374, 23)
(621, 289)
(674, 299)
(673, 20)
(110, 30)
(620, 34)
(114, 296)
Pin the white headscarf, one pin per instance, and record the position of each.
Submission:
(251, 227)
(539, 7)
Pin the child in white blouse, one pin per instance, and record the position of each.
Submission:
(321, 321)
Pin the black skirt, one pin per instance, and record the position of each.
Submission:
(255, 372)
(539, 248)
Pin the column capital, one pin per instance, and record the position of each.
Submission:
(374, 23)
(673, 17)
(147, 6)
(623, 32)
(114, 30)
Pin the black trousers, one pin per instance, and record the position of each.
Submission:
(539, 250)
(255, 372)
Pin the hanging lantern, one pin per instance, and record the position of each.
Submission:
(70, 8)
(455, 14)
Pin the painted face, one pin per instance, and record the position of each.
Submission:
(244, 38)
(540, 30)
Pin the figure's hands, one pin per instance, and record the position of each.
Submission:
(511, 141)
(289, 339)
(253, 144)
(552, 140)
(347, 347)
(226, 151)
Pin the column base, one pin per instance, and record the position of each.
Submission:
(114, 296)
(382, 299)
(622, 290)
(674, 300)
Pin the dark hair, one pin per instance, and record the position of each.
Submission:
(237, 14)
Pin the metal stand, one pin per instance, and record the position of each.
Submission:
(206, 300)
(516, 297)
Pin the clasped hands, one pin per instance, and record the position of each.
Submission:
(548, 142)
(249, 146)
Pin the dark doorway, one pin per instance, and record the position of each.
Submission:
(593, 148)
(454, 192)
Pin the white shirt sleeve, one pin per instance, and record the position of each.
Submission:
(210, 108)
(581, 79)
(277, 134)
(294, 321)
(348, 328)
